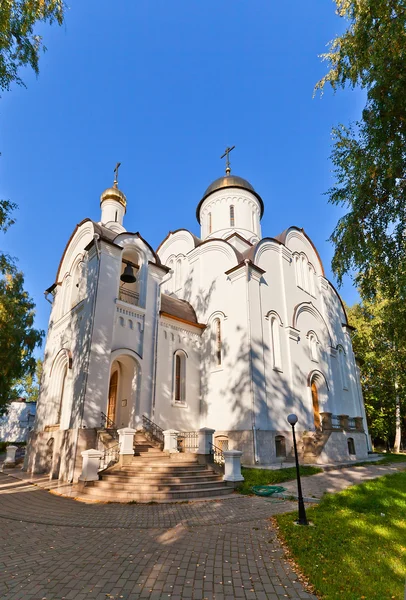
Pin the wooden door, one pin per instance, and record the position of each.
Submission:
(111, 411)
(316, 410)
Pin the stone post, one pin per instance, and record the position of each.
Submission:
(359, 425)
(126, 438)
(205, 439)
(11, 456)
(171, 440)
(232, 465)
(326, 421)
(343, 422)
(91, 465)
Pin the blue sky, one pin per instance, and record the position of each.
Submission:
(164, 87)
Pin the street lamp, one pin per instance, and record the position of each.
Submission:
(292, 420)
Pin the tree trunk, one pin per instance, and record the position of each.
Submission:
(398, 427)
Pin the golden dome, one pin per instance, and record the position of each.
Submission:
(113, 193)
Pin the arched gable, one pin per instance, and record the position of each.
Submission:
(308, 307)
(297, 240)
(177, 242)
(80, 238)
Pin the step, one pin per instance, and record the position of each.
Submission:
(146, 478)
(157, 470)
(100, 493)
(156, 487)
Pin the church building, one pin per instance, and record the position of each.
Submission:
(229, 330)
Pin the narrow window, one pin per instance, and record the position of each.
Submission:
(178, 274)
(299, 280)
(276, 347)
(121, 320)
(218, 342)
(178, 370)
(351, 446)
(116, 217)
(253, 221)
(312, 277)
(180, 377)
(280, 446)
(210, 223)
(313, 347)
(305, 274)
(232, 220)
(130, 324)
(343, 368)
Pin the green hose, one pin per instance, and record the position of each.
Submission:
(267, 490)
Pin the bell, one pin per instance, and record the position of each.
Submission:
(128, 275)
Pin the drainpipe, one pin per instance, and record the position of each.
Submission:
(96, 239)
(254, 430)
(155, 369)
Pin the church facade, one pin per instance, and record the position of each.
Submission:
(230, 330)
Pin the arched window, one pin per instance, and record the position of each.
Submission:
(121, 321)
(209, 222)
(59, 383)
(343, 367)
(178, 274)
(130, 324)
(305, 273)
(217, 345)
(298, 268)
(66, 294)
(78, 283)
(232, 219)
(280, 446)
(170, 282)
(275, 344)
(314, 354)
(312, 279)
(179, 388)
(351, 446)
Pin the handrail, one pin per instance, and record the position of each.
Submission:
(217, 454)
(152, 428)
(109, 425)
(110, 457)
(188, 441)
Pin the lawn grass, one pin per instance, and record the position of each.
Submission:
(357, 547)
(271, 477)
(391, 458)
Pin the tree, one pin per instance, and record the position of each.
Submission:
(27, 387)
(383, 375)
(18, 337)
(19, 45)
(369, 159)
(370, 156)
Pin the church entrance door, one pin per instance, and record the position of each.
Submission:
(316, 409)
(111, 411)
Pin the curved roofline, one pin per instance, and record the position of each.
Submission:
(310, 304)
(235, 186)
(207, 240)
(194, 237)
(341, 301)
(282, 238)
(154, 254)
(105, 239)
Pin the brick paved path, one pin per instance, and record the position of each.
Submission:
(339, 479)
(56, 548)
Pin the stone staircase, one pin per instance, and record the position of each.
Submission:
(153, 475)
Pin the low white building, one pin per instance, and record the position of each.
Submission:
(18, 421)
(228, 330)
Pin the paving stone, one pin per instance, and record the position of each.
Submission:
(54, 547)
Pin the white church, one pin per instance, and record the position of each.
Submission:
(230, 330)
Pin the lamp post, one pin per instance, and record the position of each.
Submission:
(292, 420)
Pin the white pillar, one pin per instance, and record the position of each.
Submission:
(91, 465)
(126, 437)
(171, 440)
(232, 465)
(205, 439)
(11, 455)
